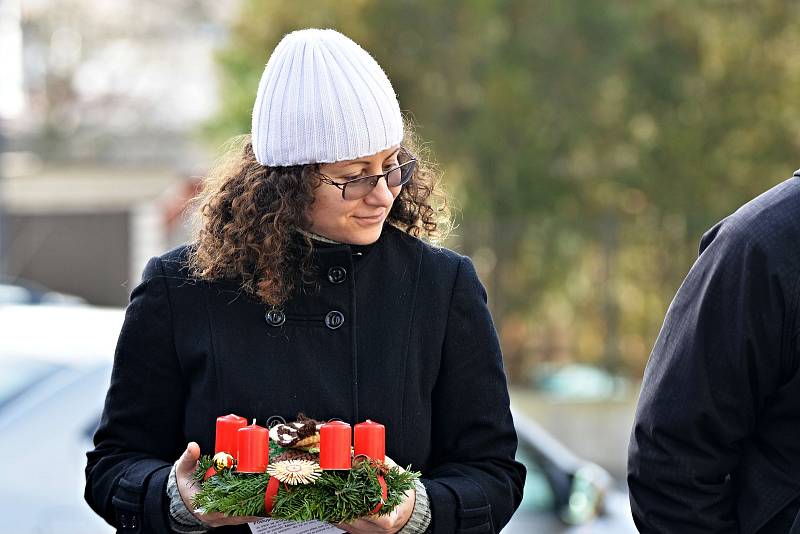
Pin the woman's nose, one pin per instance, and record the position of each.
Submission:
(380, 195)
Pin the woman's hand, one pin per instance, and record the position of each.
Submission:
(184, 472)
(384, 524)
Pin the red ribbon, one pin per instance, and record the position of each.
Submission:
(270, 494)
(210, 472)
(382, 482)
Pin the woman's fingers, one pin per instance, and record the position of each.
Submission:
(371, 524)
(391, 463)
(187, 463)
(217, 519)
(357, 526)
(184, 469)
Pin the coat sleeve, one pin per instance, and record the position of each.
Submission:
(715, 362)
(475, 483)
(139, 436)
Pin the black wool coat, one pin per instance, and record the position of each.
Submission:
(402, 336)
(716, 441)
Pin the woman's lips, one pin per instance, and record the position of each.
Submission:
(369, 220)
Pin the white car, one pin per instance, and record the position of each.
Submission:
(57, 362)
(25, 292)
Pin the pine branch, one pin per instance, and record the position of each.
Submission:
(203, 464)
(335, 497)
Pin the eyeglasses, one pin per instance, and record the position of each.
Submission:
(362, 186)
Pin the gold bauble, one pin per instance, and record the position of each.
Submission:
(222, 460)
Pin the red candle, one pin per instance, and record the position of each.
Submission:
(253, 449)
(334, 445)
(225, 438)
(370, 440)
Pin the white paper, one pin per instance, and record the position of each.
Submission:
(277, 526)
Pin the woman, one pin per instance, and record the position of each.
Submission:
(308, 289)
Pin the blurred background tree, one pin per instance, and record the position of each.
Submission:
(587, 144)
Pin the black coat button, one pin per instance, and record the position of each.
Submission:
(334, 320)
(275, 318)
(337, 275)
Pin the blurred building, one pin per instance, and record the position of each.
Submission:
(88, 231)
(99, 125)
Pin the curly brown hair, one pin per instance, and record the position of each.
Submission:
(247, 215)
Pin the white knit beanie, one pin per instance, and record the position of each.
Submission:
(322, 98)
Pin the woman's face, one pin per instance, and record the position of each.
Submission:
(357, 222)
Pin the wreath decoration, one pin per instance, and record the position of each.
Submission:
(294, 485)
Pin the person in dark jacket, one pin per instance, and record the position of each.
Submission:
(308, 288)
(716, 443)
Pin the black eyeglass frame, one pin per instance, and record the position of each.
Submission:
(405, 177)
